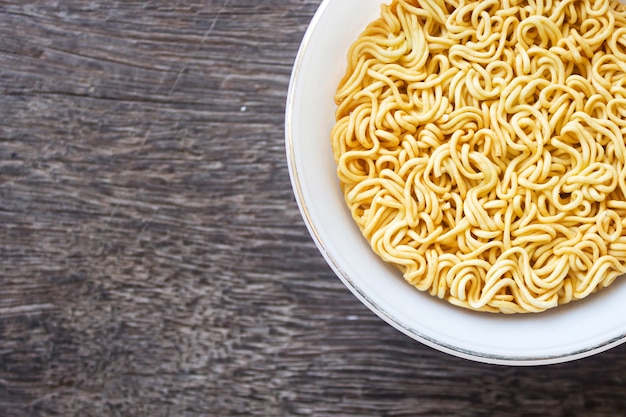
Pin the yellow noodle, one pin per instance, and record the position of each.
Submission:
(480, 147)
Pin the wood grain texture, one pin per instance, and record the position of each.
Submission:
(153, 261)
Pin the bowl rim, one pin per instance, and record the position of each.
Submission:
(352, 285)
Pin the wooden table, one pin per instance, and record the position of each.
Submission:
(153, 261)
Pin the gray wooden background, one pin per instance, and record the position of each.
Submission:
(152, 258)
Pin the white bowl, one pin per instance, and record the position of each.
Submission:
(570, 332)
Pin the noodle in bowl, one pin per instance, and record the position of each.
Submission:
(337, 215)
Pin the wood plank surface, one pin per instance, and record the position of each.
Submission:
(153, 261)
